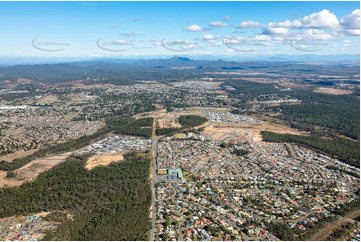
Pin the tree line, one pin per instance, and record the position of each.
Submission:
(130, 126)
(187, 121)
(346, 150)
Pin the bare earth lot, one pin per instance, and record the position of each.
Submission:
(48, 99)
(103, 160)
(18, 154)
(32, 170)
(252, 132)
(332, 91)
(168, 120)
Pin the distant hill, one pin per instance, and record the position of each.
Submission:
(155, 69)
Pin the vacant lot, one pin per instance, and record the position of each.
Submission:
(332, 91)
(32, 170)
(18, 154)
(168, 123)
(169, 119)
(103, 160)
(291, 85)
(69, 116)
(48, 99)
(252, 132)
(12, 131)
(12, 182)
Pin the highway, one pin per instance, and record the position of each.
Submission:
(154, 175)
(154, 180)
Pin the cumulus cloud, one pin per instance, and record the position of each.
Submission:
(321, 25)
(194, 28)
(286, 24)
(217, 24)
(317, 34)
(262, 37)
(321, 19)
(350, 32)
(275, 31)
(249, 24)
(352, 20)
(208, 37)
(350, 24)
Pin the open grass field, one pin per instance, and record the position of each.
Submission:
(69, 116)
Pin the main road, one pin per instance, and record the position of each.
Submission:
(154, 174)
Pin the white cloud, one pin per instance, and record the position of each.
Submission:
(350, 32)
(194, 28)
(275, 31)
(208, 37)
(286, 24)
(217, 24)
(249, 24)
(262, 37)
(352, 20)
(322, 19)
(350, 24)
(231, 41)
(317, 34)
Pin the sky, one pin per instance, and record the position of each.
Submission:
(128, 29)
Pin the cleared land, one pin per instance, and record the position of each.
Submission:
(103, 160)
(291, 85)
(169, 119)
(32, 170)
(324, 232)
(332, 91)
(12, 131)
(48, 99)
(252, 132)
(69, 116)
(11, 182)
(18, 154)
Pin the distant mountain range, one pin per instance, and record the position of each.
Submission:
(125, 71)
(354, 59)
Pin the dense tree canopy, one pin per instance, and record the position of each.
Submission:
(109, 203)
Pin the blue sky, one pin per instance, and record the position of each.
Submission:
(89, 29)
